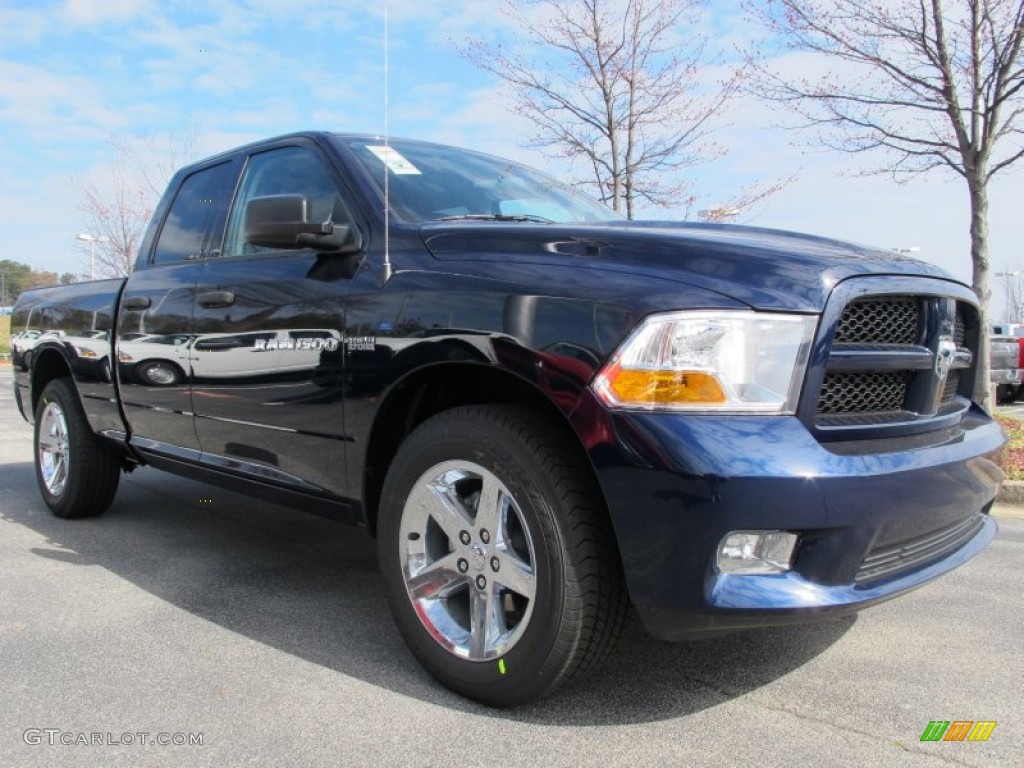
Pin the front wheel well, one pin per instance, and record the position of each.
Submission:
(440, 388)
(48, 365)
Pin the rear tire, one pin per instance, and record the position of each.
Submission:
(497, 555)
(77, 474)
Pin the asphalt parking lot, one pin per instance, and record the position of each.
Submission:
(191, 610)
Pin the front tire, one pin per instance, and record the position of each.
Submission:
(497, 555)
(160, 373)
(77, 474)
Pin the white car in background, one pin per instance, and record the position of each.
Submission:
(159, 360)
(260, 353)
(23, 343)
(168, 360)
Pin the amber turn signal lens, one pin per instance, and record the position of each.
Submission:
(645, 387)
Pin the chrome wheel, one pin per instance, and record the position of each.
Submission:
(53, 448)
(161, 375)
(468, 560)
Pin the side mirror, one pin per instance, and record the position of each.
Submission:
(282, 221)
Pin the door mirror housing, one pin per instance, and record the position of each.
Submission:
(282, 221)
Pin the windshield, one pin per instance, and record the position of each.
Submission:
(430, 182)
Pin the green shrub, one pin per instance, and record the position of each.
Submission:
(5, 334)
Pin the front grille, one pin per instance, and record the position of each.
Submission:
(881, 369)
(881, 320)
(862, 392)
(893, 558)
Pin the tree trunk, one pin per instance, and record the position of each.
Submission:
(616, 176)
(629, 193)
(979, 259)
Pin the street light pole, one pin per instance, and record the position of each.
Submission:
(1011, 298)
(92, 240)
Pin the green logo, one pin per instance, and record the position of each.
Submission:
(958, 730)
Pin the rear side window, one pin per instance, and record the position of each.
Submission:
(197, 209)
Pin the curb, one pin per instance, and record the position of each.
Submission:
(1011, 492)
(1008, 511)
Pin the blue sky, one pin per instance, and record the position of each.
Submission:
(75, 74)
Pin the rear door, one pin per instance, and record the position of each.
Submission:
(267, 388)
(156, 312)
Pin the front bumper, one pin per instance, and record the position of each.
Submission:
(676, 485)
(1006, 376)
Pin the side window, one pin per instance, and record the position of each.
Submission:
(194, 212)
(286, 171)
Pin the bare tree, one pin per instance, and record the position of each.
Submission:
(1014, 299)
(1014, 305)
(923, 85)
(118, 210)
(157, 158)
(746, 198)
(617, 84)
(116, 214)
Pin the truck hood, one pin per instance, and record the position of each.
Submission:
(763, 268)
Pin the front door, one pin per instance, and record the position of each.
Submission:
(266, 360)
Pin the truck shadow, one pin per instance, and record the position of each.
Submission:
(310, 588)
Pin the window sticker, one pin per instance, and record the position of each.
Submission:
(397, 164)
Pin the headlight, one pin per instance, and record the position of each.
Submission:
(740, 362)
(83, 352)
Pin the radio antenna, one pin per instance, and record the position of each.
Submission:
(386, 271)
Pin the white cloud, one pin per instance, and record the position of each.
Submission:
(57, 106)
(93, 12)
(23, 27)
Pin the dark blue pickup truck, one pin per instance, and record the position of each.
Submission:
(544, 414)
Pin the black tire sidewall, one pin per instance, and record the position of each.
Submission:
(534, 661)
(80, 440)
(59, 503)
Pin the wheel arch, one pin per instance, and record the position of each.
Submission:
(48, 364)
(439, 387)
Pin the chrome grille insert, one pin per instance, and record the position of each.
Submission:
(881, 320)
(862, 392)
(951, 387)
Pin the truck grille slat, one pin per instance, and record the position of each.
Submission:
(890, 559)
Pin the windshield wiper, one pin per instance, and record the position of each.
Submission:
(498, 217)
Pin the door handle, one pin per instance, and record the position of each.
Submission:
(212, 299)
(137, 302)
